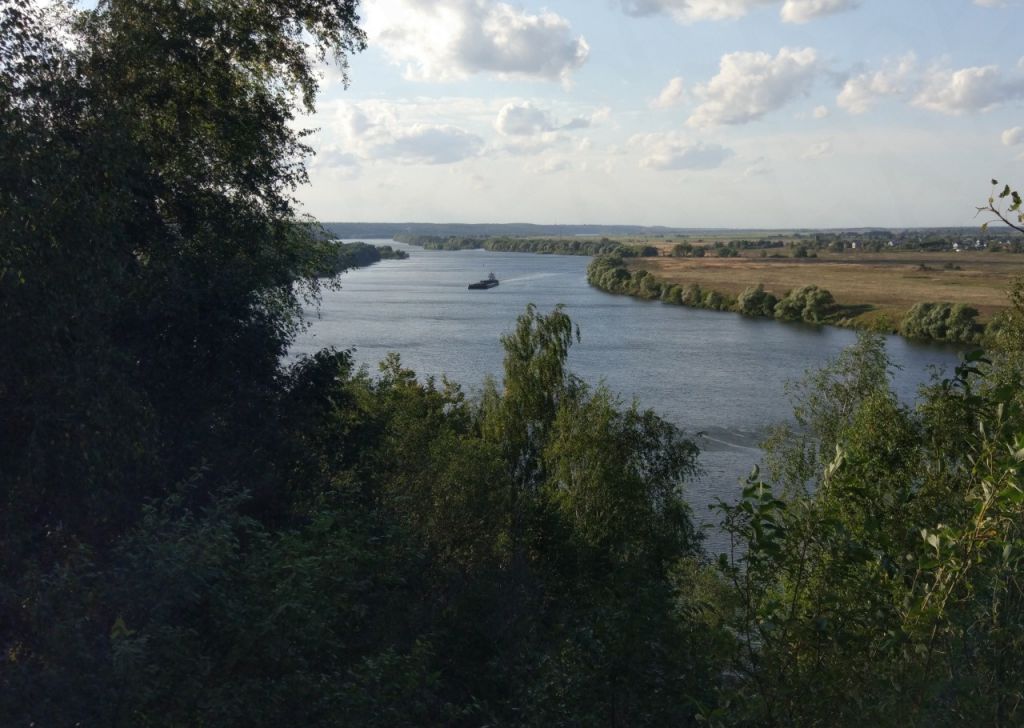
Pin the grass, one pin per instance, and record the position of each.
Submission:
(870, 286)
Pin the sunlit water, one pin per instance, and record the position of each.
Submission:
(717, 374)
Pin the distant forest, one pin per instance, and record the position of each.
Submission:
(390, 230)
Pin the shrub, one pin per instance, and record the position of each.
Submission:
(951, 322)
(756, 302)
(693, 296)
(715, 301)
(810, 303)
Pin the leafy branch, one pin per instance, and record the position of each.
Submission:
(1003, 213)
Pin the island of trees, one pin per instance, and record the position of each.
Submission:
(194, 532)
(337, 257)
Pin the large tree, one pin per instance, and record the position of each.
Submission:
(150, 244)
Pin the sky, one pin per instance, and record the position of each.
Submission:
(688, 113)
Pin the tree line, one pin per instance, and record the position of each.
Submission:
(340, 257)
(543, 246)
(949, 322)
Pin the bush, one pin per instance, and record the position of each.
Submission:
(715, 301)
(756, 302)
(693, 296)
(810, 303)
(951, 322)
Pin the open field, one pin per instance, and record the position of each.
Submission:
(869, 285)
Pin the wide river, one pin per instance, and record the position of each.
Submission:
(713, 373)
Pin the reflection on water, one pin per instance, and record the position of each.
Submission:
(713, 373)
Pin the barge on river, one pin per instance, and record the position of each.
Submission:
(489, 282)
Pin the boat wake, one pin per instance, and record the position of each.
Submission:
(531, 277)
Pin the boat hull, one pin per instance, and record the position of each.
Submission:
(482, 285)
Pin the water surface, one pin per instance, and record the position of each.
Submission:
(709, 372)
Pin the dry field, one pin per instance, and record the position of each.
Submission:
(869, 284)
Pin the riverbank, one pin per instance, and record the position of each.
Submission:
(347, 256)
(945, 296)
(933, 296)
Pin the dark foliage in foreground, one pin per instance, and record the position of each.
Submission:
(193, 534)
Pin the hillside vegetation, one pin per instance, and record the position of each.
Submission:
(194, 533)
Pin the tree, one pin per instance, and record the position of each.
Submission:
(756, 302)
(148, 269)
(148, 293)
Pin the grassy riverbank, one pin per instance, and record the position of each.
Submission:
(887, 292)
(871, 286)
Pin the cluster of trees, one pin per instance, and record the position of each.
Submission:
(927, 240)
(345, 256)
(809, 303)
(730, 249)
(194, 534)
(878, 579)
(952, 322)
(949, 322)
(548, 246)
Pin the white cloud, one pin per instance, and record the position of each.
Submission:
(528, 129)
(750, 85)
(864, 90)
(671, 152)
(523, 119)
(373, 131)
(943, 90)
(674, 93)
(979, 88)
(429, 144)
(802, 11)
(691, 11)
(821, 112)
(819, 150)
(443, 40)
(1013, 137)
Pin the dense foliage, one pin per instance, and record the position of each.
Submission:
(809, 303)
(344, 256)
(193, 533)
(952, 322)
(879, 583)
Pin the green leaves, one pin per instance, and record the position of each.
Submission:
(1011, 215)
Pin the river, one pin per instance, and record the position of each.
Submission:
(714, 373)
